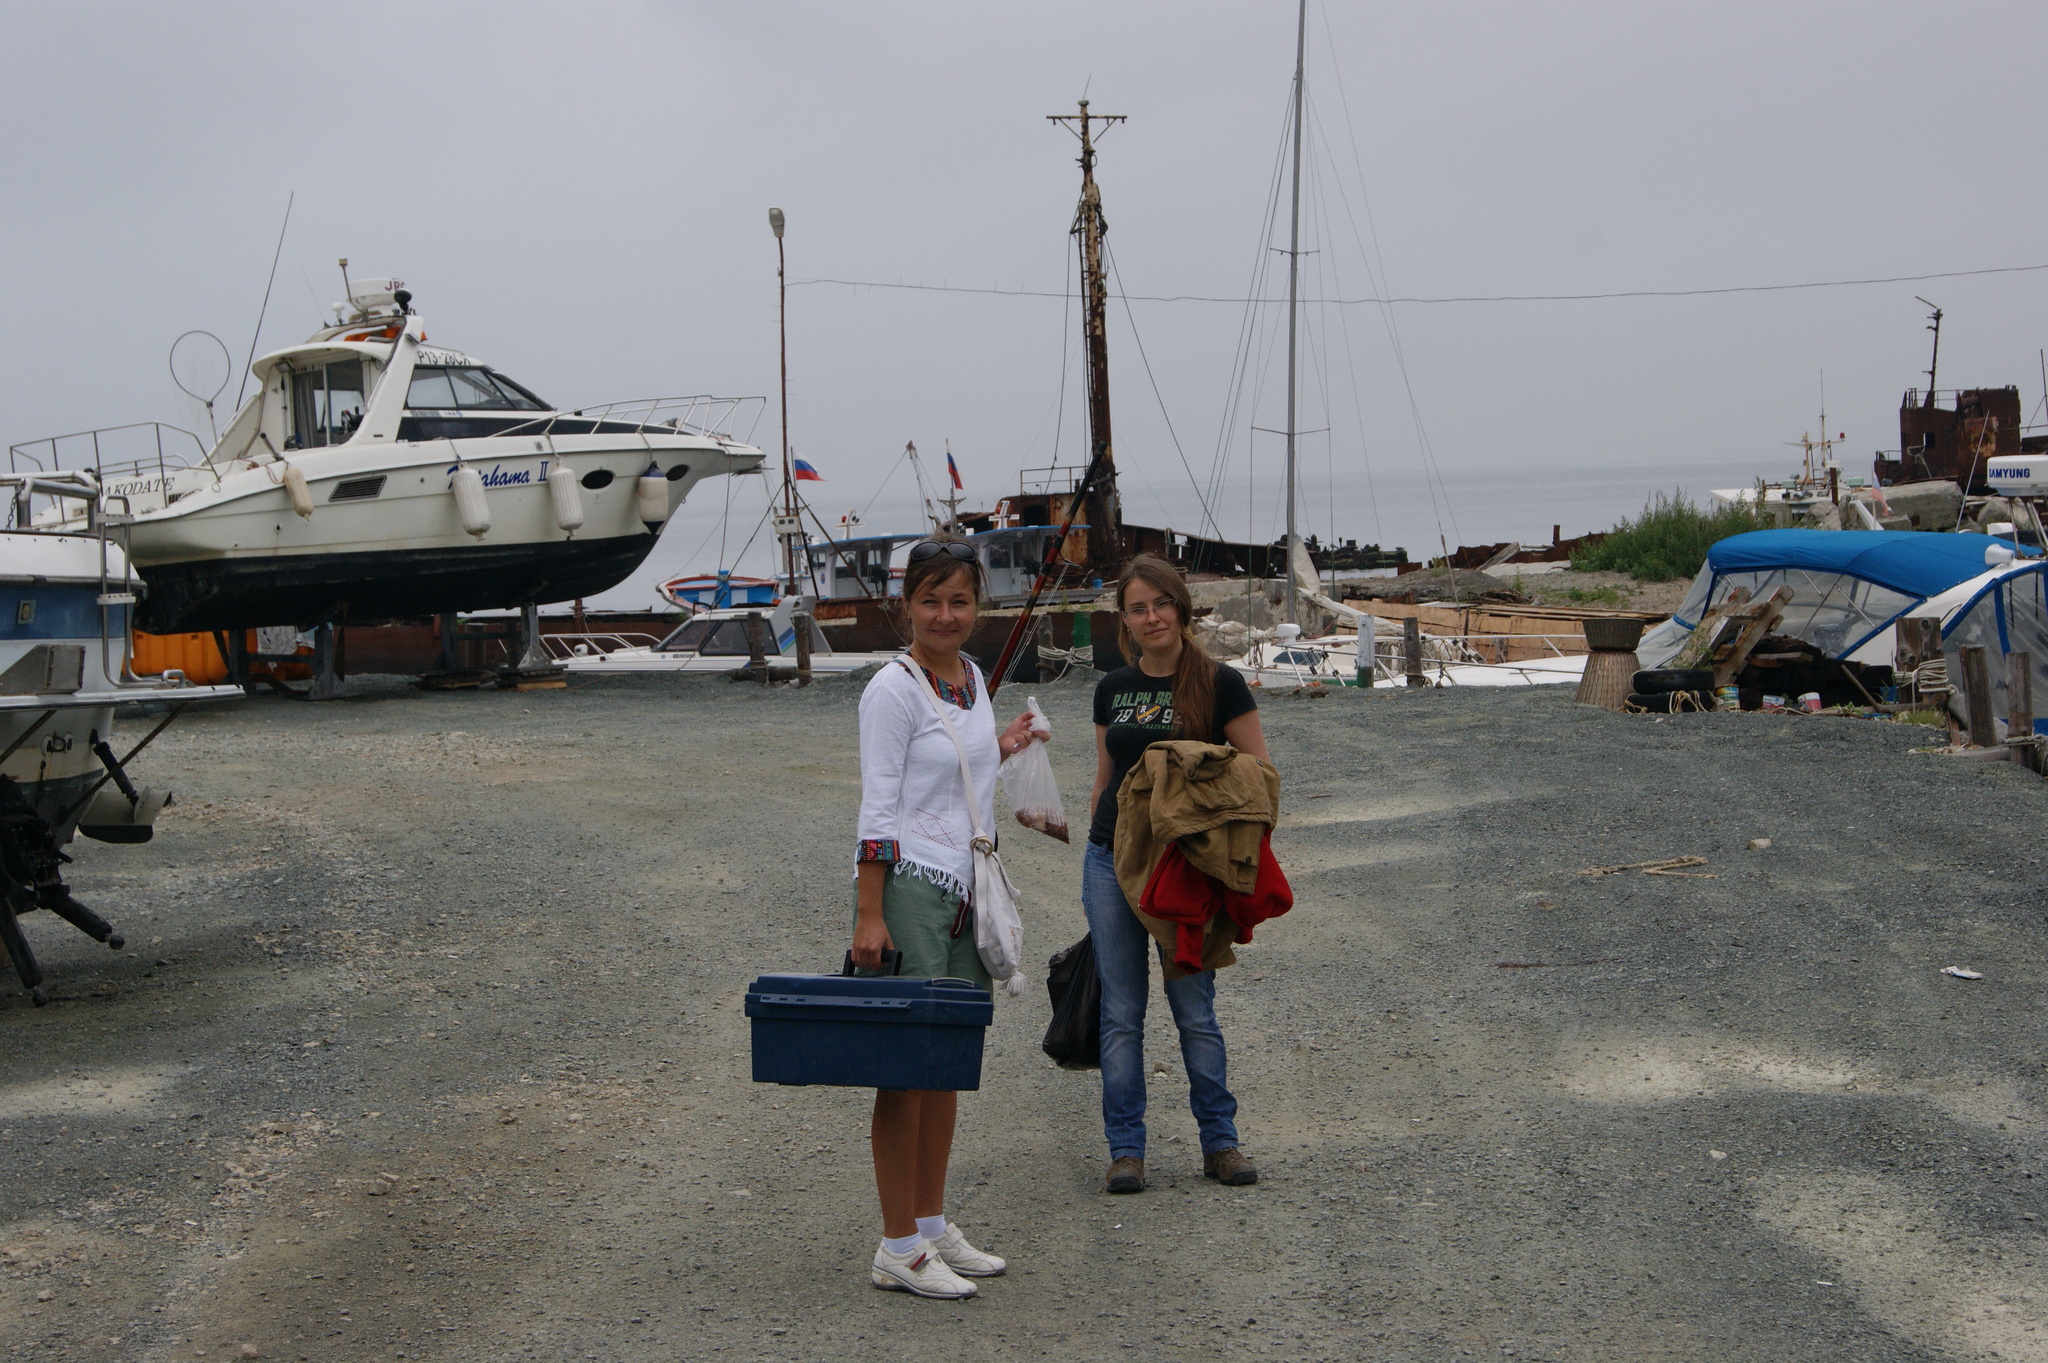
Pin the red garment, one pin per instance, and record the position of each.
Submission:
(1179, 894)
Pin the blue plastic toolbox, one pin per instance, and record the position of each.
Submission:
(868, 1032)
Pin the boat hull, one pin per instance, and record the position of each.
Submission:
(383, 584)
(385, 539)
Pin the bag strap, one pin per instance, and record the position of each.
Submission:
(966, 772)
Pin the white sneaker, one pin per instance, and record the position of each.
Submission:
(920, 1271)
(963, 1258)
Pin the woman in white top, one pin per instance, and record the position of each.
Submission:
(914, 880)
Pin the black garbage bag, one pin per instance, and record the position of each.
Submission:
(1074, 1038)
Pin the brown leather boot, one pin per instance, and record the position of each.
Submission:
(1229, 1167)
(1126, 1175)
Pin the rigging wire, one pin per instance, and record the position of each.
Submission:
(1431, 467)
(1357, 405)
(1058, 408)
(1066, 339)
(1207, 515)
(1251, 326)
(885, 483)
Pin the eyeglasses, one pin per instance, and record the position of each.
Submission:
(1139, 610)
(928, 548)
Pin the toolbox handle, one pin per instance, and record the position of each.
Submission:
(832, 1001)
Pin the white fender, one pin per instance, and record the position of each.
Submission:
(295, 488)
(650, 495)
(470, 502)
(566, 496)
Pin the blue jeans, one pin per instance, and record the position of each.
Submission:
(1122, 952)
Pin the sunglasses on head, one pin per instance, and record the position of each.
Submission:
(929, 548)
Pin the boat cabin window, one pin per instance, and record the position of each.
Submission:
(711, 638)
(444, 388)
(327, 404)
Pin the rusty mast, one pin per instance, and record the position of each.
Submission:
(1102, 508)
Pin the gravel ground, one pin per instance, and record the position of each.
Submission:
(429, 1045)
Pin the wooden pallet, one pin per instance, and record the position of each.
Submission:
(1728, 633)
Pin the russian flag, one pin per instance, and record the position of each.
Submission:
(954, 469)
(805, 473)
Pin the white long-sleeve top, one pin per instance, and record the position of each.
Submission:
(913, 810)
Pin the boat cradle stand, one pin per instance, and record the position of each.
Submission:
(533, 670)
(329, 663)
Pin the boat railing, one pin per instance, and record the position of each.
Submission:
(563, 647)
(1054, 480)
(714, 418)
(136, 449)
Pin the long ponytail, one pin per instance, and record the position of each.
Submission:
(1194, 677)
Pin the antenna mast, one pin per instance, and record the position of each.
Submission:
(1101, 497)
(1934, 360)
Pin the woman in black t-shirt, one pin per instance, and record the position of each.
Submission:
(1173, 690)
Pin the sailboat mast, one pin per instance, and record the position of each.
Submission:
(1294, 299)
(788, 527)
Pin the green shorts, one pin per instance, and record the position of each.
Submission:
(920, 917)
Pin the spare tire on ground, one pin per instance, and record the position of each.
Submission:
(1670, 702)
(1651, 680)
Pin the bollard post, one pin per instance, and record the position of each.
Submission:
(801, 620)
(2019, 710)
(1411, 650)
(1366, 646)
(757, 653)
(1977, 696)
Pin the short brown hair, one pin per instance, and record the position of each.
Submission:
(939, 568)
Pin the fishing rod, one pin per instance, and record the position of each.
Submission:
(1045, 570)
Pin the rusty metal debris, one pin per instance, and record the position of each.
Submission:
(1668, 867)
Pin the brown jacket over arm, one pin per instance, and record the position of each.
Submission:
(1218, 803)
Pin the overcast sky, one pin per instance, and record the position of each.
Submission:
(577, 194)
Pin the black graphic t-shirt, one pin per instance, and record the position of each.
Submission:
(1137, 711)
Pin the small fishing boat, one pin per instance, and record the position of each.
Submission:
(377, 477)
(712, 641)
(718, 591)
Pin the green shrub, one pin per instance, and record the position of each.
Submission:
(1597, 596)
(1668, 540)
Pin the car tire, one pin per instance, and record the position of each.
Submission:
(1651, 680)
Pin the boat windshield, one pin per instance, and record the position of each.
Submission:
(710, 638)
(449, 387)
(327, 405)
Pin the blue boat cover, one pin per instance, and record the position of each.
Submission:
(1916, 562)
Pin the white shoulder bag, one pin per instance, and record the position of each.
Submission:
(998, 931)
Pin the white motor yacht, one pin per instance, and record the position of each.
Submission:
(379, 477)
(65, 601)
(711, 641)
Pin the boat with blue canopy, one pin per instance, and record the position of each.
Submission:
(1849, 588)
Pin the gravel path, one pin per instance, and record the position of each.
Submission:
(428, 1045)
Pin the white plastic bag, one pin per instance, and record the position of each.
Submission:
(1028, 780)
(998, 930)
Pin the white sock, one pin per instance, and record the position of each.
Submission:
(932, 1228)
(903, 1244)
